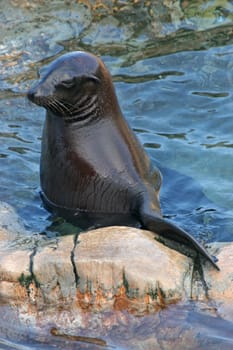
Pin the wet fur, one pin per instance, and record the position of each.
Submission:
(94, 171)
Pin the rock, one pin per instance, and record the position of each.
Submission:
(117, 273)
(11, 226)
(53, 270)
(125, 267)
(16, 251)
(112, 268)
(109, 268)
(220, 284)
(14, 267)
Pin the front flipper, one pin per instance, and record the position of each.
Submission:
(152, 221)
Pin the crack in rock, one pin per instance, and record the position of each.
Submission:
(72, 258)
(29, 281)
(31, 265)
(199, 287)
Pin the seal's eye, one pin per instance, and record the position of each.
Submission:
(93, 78)
(68, 84)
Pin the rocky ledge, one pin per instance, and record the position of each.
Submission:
(113, 268)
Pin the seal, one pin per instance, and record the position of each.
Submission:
(94, 172)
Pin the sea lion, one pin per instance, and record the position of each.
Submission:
(93, 169)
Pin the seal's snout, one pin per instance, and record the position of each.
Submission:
(31, 95)
(36, 94)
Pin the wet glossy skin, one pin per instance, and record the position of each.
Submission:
(94, 171)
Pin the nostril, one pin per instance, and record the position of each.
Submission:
(38, 93)
(31, 95)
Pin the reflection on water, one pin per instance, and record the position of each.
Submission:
(181, 327)
(173, 73)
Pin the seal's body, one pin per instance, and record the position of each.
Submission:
(94, 172)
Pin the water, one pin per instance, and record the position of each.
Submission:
(173, 74)
(180, 107)
(180, 327)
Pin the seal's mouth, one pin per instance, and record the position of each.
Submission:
(55, 105)
(80, 109)
(50, 103)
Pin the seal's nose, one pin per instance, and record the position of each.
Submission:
(35, 94)
(31, 94)
(42, 90)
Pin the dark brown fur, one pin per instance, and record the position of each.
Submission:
(94, 171)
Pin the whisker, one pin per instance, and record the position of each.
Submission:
(81, 108)
(81, 101)
(77, 116)
(58, 106)
(89, 109)
(85, 107)
(64, 106)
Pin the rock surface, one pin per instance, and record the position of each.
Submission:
(104, 269)
(108, 268)
(124, 267)
(117, 273)
(220, 285)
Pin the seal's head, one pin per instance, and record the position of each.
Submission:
(74, 86)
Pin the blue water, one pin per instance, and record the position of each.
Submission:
(180, 107)
(175, 89)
